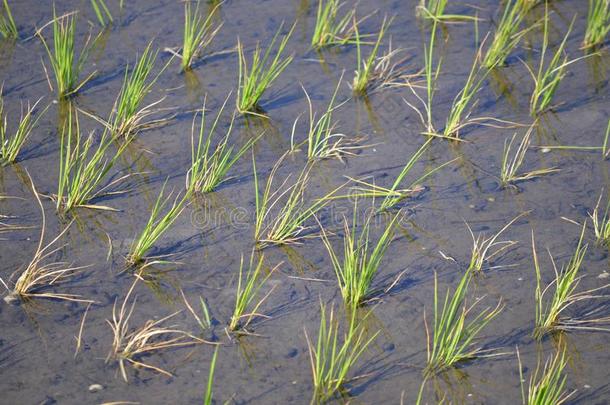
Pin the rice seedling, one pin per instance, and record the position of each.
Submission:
(506, 36)
(288, 224)
(8, 28)
(103, 14)
(485, 249)
(598, 23)
(204, 321)
(199, 32)
(248, 288)
(83, 167)
(333, 357)
(509, 173)
(435, 10)
(453, 336)
(207, 399)
(365, 69)
(64, 63)
(128, 117)
(323, 142)
(41, 272)
(361, 259)
(394, 195)
(11, 145)
(550, 313)
(549, 75)
(130, 344)
(601, 222)
(331, 30)
(255, 79)
(209, 167)
(547, 384)
(157, 224)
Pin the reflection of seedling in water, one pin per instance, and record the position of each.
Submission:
(546, 385)
(288, 224)
(550, 315)
(129, 344)
(11, 144)
(39, 274)
(333, 357)
(198, 33)
(248, 287)
(255, 79)
(66, 68)
(8, 28)
(156, 226)
(361, 260)
(209, 167)
(509, 173)
(598, 23)
(453, 335)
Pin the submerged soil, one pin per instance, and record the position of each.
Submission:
(37, 338)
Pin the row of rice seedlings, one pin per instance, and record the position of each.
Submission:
(547, 384)
(361, 259)
(549, 75)
(365, 73)
(598, 23)
(506, 36)
(8, 28)
(83, 167)
(601, 222)
(128, 116)
(334, 356)
(158, 223)
(11, 145)
(102, 12)
(64, 63)
(42, 272)
(330, 29)
(392, 196)
(198, 33)
(550, 313)
(452, 340)
(288, 225)
(263, 70)
(435, 10)
(209, 166)
(486, 249)
(323, 142)
(130, 344)
(511, 163)
(209, 394)
(247, 302)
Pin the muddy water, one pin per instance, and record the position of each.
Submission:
(37, 339)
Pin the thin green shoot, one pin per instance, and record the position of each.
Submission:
(64, 63)
(199, 32)
(288, 224)
(102, 12)
(8, 28)
(511, 163)
(598, 23)
(247, 303)
(452, 340)
(209, 166)
(361, 260)
(506, 36)
(204, 321)
(256, 78)
(435, 10)
(604, 148)
(547, 384)
(551, 313)
(11, 145)
(330, 30)
(364, 75)
(158, 223)
(601, 222)
(207, 399)
(333, 357)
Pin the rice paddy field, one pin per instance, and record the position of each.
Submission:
(293, 201)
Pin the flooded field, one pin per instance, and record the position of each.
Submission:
(390, 162)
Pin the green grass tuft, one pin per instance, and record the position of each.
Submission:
(102, 12)
(8, 28)
(598, 23)
(198, 33)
